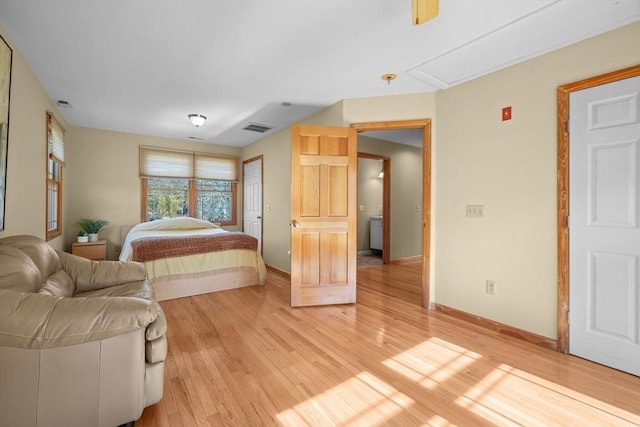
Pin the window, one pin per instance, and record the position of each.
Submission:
(181, 183)
(55, 164)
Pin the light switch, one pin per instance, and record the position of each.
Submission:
(268, 207)
(361, 208)
(475, 211)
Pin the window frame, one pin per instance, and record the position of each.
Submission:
(192, 194)
(191, 174)
(51, 159)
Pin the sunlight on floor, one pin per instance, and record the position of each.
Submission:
(361, 400)
(496, 393)
(507, 392)
(431, 362)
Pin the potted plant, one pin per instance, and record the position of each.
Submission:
(92, 226)
(83, 237)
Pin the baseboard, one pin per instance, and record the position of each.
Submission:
(278, 271)
(501, 328)
(362, 253)
(408, 260)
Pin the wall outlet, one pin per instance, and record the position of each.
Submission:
(490, 287)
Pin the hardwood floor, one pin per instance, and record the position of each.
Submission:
(244, 357)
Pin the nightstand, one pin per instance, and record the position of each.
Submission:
(91, 250)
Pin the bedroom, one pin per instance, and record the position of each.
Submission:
(522, 181)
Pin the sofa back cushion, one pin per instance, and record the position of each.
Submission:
(18, 272)
(43, 255)
(33, 252)
(59, 284)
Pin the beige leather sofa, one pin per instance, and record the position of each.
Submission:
(82, 343)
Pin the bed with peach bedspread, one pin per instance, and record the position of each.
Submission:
(186, 256)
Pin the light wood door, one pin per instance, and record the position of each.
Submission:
(604, 227)
(252, 190)
(323, 215)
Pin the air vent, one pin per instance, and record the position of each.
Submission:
(196, 138)
(257, 127)
(63, 103)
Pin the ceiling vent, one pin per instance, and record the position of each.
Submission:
(195, 138)
(63, 103)
(257, 127)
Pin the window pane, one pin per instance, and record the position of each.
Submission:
(214, 200)
(52, 206)
(167, 198)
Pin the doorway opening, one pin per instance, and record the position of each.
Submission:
(424, 125)
(373, 208)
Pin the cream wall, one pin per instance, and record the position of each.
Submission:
(102, 181)
(27, 154)
(510, 168)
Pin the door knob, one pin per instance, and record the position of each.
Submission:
(259, 217)
(295, 223)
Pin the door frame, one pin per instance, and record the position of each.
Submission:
(244, 162)
(386, 199)
(563, 114)
(425, 125)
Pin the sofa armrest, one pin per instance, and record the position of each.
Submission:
(37, 321)
(92, 275)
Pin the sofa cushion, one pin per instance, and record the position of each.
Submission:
(18, 272)
(59, 284)
(139, 289)
(144, 290)
(42, 255)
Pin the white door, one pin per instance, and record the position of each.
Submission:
(252, 190)
(604, 227)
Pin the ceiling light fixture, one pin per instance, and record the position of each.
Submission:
(197, 119)
(389, 76)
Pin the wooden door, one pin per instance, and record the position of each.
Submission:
(604, 226)
(323, 212)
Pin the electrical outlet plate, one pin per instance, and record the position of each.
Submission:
(490, 287)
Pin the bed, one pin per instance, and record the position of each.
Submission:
(187, 256)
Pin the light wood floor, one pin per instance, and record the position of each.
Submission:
(244, 357)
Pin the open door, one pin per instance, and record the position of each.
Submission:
(323, 215)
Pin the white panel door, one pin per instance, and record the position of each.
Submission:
(604, 227)
(252, 190)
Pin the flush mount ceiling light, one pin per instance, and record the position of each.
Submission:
(388, 77)
(197, 119)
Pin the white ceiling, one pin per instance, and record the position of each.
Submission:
(141, 66)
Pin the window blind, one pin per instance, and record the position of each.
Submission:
(165, 163)
(215, 167)
(161, 163)
(55, 135)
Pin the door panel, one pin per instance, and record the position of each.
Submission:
(252, 190)
(604, 233)
(323, 212)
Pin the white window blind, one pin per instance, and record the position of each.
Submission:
(215, 167)
(55, 135)
(159, 163)
(164, 163)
